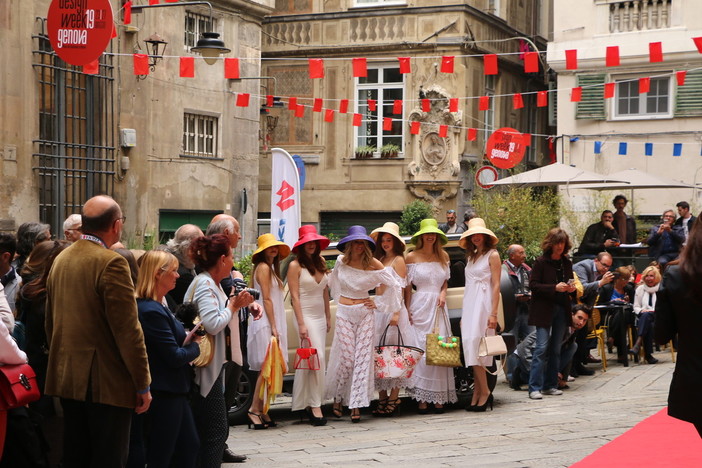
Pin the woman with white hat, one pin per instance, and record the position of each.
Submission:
(428, 270)
(390, 250)
(480, 300)
(307, 282)
(266, 278)
(350, 378)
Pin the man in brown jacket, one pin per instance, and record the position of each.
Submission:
(97, 358)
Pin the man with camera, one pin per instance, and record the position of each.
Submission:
(665, 240)
(599, 236)
(519, 272)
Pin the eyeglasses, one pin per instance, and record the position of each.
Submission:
(605, 265)
(451, 212)
(123, 219)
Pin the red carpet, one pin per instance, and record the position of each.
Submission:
(657, 441)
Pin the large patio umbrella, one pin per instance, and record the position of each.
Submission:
(556, 174)
(635, 179)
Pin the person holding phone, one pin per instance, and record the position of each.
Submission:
(665, 240)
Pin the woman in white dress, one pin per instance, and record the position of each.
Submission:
(428, 271)
(266, 278)
(349, 378)
(390, 250)
(480, 300)
(307, 282)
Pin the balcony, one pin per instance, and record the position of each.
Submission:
(639, 15)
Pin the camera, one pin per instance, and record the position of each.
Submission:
(239, 285)
(616, 274)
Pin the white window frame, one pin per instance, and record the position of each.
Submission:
(361, 106)
(641, 115)
(489, 123)
(200, 140)
(200, 24)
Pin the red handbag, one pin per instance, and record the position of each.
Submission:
(18, 386)
(306, 358)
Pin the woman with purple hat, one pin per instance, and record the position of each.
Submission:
(273, 323)
(428, 270)
(307, 283)
(349, 377)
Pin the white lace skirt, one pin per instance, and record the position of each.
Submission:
(349, 376)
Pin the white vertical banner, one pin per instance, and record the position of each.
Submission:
(285, 197)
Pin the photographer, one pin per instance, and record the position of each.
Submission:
(618, 295)
(665, 240)
(599, 236)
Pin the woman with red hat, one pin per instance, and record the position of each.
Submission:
(307, 283)
(350, 378)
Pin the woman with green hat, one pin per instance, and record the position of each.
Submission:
(266, 278)
(428, 271)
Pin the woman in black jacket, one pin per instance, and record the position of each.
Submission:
(679, 311)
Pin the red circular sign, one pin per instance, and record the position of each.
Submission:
(79, 30)
(505, 148)
(485, 176)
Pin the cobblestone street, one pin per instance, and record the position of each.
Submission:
(553, 432)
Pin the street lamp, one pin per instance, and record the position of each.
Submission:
(155, 46)
(210, 46)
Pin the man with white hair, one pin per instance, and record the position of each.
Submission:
(71, 227)
(179, 246)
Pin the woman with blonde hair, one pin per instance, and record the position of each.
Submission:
(307, 282)
(350, 378)
(644, 309)
(266, 278)
(428, 271)
(480, 300)
(173, 439)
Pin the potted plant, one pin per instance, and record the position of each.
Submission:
(364, 152)
(389, 151)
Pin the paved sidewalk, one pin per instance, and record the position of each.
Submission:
(554, 432)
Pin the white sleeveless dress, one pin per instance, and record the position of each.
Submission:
(259, 332)
(308, 388)
(433, 384)
(477, 305)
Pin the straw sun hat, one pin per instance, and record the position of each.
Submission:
(268, 240)
(387, 228)
(475, 226)
(308, 233)
(355, 233)
(429, 226)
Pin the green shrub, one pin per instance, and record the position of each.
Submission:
(412, 215)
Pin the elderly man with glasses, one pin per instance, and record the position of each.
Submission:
(665, 240)
(451, 227)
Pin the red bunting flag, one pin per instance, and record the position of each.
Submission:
(526, 139)
(576, 94)
(329, 115)
(127, 13)
(187, 67)
(397, 107)
(387, 124)
(443, 131)
(484, 103)
(453, 105)
(231, 68)
(447, 64)
(571, 59)
(360, 68)
(655, 52)
(317, 106)
(141, 64)
(472, 134)
(517, 101)
(343, 106)
(292, 103)
(414, 127)
(300, 111)
(269, 100)
(114, 31)
(698, 43)
(242, 99)
(680, 75)
(316, 68)
(644, 85)
(153, 2)
(490, 64)
(372, 105)
(426, 105)
(609, 90)
(92, 68)
(542, 99)
(531, 62)
(405, 66)
(612, 58)
(357, 120)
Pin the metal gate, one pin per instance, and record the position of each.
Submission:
(75, 149)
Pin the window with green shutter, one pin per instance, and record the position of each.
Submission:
(688, 101)
(592, 104)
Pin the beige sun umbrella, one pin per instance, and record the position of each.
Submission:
(557, 174)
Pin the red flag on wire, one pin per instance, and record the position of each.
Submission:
(698, 43)
(397, 107)
(269, 100)
(127, 13)
(242, 99)
(447, 64)
(372, 105)
(360, 68)
(490, 64)
(141, 64)
(343, 106)
(187, 67)
(517, 101)
(387, 124)
(329, 115)
(92, 68)
(680, 75)
(576, 94)
(612, 58)
(357, 120)
(317, 106)
(542, 99)
(426, 105)
(299, 111)
(292, 103)
(484, 103)
(531, 62)
(231, 68)
(443, 131)
(316, 67)
(414, 127)
(405, 66)
(609, 90)
(655, 52)
(453, 105)
(571, 59)
(472, 134)
(644, 85)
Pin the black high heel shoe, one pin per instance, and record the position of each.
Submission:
(355, 415)
(483, 407)
(251, 422)
(380, 409)
(268, 422)
(337, 410)
(315, 420)
(392, 408)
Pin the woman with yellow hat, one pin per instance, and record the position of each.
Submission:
(480, 301)
(266, 278)
(428, 270)
(390, 250)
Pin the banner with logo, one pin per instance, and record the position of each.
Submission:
(285, 197)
